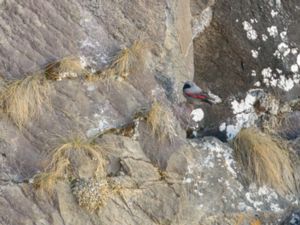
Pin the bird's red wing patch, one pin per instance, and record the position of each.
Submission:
(199, 96)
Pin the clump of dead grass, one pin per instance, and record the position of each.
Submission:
(61, 165)
(127, 61)
(68, 67)
(161, 122)
(46, 181)
(264, 160)
(24, 100)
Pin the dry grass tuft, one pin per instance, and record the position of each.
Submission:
(255, 222)
(68, 67)
(61, 165)
(264, 160)
(240, 219)
(161, 121)
(127, 61)
(24, 100)
(46, 181)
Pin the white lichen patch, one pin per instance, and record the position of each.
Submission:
(83, 61)
(274, 13)
(232, 130)
(136, 132)
(267, 74)
(257, 84)
(278, 4)
(254, 53)
(284, 49)
(91, 87)
(251, 33)
(197, 115)
(65, 75)
(285, 83)
(277, 54)
(294, 51)
(253, 73)
(264, 197)
(215, 150)
(280, 81)
(102, 125)
(264, 37)
(294, 68)
(244, 114)
(243, 105)
(102, 119)
(199, 23)
(296, 78)
(273, 31)
(275, 207)
(242, 206)
(283, 35)
(222, 127)
(298, 60)
(187, 180)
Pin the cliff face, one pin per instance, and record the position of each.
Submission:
(114, 151)
(248, 45)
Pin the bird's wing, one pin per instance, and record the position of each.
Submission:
(197, 95)
(195, 89)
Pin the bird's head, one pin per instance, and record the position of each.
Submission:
(187, 85)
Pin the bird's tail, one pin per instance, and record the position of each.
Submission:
(213, 99)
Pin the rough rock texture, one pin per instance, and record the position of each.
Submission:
(242, 42)
(200, 185)
(156, 182)
(36, 33)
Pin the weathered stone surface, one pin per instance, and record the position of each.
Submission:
(292, 219)
(201, 183)
(35, 33)
(162, 182)
(213, 187)
(243, 41)
(290, 125)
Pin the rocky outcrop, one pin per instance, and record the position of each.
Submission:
(147, 179)
(38, 33)
(201, 184)
(248, 45)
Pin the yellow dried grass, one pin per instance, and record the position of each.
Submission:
(125, 62)
(68, 67)
(60, 166)
(264, 160)
(161, 122)
(24, 100)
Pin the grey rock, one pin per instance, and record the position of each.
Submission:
(289, 128)
(223, 54)
(292, 219)
(212, 185)
(183, 182)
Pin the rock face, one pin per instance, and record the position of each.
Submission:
(148, 180)
(200, 185)
(247, 45)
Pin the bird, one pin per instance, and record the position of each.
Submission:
(196, 96)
